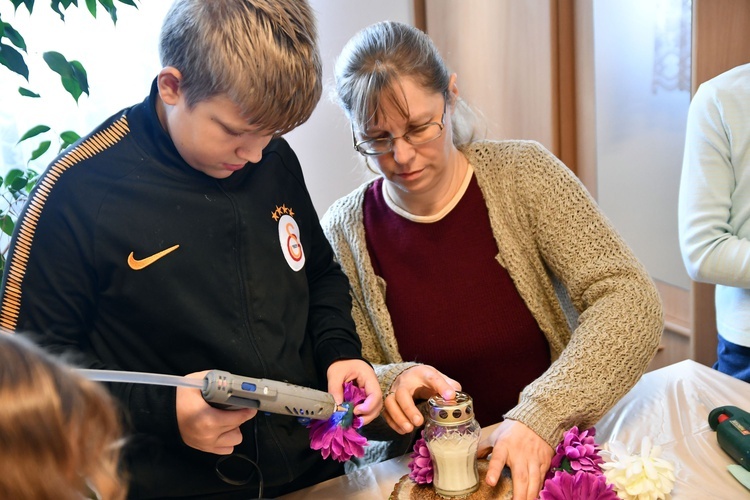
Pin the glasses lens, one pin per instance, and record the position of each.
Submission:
(425, 133)
(374, 146)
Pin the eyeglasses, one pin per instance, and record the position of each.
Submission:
(416, 136)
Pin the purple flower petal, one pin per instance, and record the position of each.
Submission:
(337, 437)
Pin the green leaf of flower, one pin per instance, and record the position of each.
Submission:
(33, 132)
(43, 147)
(13, 60)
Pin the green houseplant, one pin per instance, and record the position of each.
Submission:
(17, 181)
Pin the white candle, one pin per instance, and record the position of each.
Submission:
(455, 465)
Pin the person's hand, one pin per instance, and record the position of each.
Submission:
(206, 428)
(417, 382)
(528, 456)
(357, 371)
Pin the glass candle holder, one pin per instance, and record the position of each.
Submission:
(452, 436)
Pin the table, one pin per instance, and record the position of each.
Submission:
(669, 405)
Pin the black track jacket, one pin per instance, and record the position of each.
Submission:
(247, 283)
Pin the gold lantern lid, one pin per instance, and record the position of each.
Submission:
(451, 411)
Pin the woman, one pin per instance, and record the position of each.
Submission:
(464, 257)
(59, 433)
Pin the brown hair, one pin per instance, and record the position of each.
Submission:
(372, 65)
(262, 54)
(60, 435)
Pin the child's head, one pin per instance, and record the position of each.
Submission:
(59, 433)
(261, 54)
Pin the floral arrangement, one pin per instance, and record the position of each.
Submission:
(579, 472)
(576, 470)
(420, 463)
(337, 437)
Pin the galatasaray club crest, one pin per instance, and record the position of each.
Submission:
(289, 237)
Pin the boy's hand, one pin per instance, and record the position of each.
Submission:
(355, 370)
(528, 456)
(420, 382)
(206, 428)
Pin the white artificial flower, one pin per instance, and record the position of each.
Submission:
(642, 476)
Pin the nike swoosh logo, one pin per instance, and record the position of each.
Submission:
(138, 264)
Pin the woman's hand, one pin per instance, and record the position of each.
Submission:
(528, 456)
(206, 428)
(358, 371)
(417, 382)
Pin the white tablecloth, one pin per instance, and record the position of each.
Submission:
(669, 405)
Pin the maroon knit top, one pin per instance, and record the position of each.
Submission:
(452, 304)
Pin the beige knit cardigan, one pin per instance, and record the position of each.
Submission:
(555, 242)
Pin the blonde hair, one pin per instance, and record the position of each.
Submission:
(59, 432)
(262, 54)
(372, 65)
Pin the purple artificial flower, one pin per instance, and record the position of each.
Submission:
(338, 436)
(421, 462)
(577, 452)
(579, 486)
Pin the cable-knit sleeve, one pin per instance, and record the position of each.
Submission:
(343, 226)
(551, 230)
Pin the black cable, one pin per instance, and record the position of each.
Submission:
(240, 456)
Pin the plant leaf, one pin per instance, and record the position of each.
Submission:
(33, 179)
(27, 93)
(12, 175)
(13, 60)
(68, 137)
(72, 86)
(18, 184)
(72, 74)
(109, 6)
(57, 63)
(28, 3)
(14, 36)
(91, 5)
(129, 2)
(43, 147)
(79, 74)
(33, 132)
(7, 225)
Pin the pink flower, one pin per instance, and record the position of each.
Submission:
(577, 452)
(421, 462)
(338, 436)
(579, 486)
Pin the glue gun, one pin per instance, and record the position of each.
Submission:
(225, 390)
(732, 426)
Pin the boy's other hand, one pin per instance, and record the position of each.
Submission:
(206, 428)
(357, 371)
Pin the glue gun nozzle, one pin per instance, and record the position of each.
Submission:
(340, 407)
